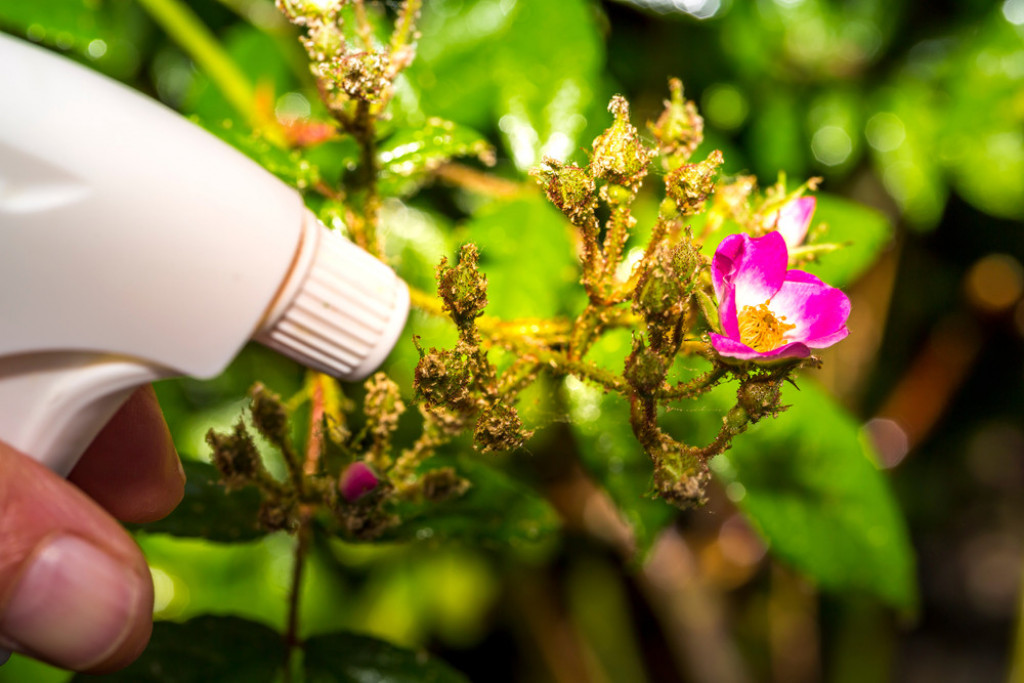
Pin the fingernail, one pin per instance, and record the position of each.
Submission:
(73, 606)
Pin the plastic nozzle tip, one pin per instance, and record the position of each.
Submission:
(341, 311)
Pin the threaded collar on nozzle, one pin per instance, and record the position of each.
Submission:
(340, 311)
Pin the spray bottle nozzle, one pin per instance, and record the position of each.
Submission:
(339, 311)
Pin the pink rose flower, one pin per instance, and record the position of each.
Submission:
(768, 312)
(792, 220)
(357, 480)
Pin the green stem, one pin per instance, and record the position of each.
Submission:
(302, 541)
(619, 225)
(404, 27)
(202, 46)
(363, 127)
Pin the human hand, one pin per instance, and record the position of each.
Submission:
(75, 590)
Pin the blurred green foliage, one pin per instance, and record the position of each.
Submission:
(813, 87)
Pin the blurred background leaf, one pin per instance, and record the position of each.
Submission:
(813, 489)
(207, 511)
(348, 658)
(204, 649)
(915, 111)
(495, 511)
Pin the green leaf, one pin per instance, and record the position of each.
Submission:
(549, 60)
(107, 34)
(862, 233)
(408, 157)
(777, 136)
(527, 255)
(496, 511)
(258, 56)
(222, 649)
(858, 233)
(454, 68)
(809, 483)
(529, 65)
(350, 658)
(982, 144)
(288, 165)
(610, 451)
(208, 511)
(904, 134)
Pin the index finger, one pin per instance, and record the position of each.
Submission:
(131, 468)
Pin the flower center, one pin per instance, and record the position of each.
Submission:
(760, 329)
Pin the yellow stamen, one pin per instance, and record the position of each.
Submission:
(760, 329)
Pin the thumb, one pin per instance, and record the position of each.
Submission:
(74, 588)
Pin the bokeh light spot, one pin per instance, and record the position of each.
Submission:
(995, 282)
(292, 106)
(831, 145)
(725, 106)
(1013, 10)
(885, 132)
(889, 440)
(97, 48)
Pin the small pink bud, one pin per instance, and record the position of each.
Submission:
(357, 480)
(792, 220)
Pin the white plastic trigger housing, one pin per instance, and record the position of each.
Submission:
(134, 245)
(68, 398)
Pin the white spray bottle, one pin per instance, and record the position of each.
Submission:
(135, 246)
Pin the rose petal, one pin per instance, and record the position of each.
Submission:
(793, 220)
(818, 310)
(723, 265)
(735, 349)
(727, 314)
(754, 268)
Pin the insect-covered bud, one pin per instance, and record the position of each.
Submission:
(268, 414)
(499, 429)
(275, 515)
(442, 484)
(323, 41)
(362, 76)
(443, 378)
(619, 156)
(760, 397)
(690, 185)
(645, 369)
(663, 288)
(568, 187)
(680, 129)
(462, 287)
(307, 12)
(683, 488)
(235, 456)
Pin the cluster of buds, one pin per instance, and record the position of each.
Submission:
(351, 66)
(352, 476)
(619, 156)
(679, 130)
(461, 385)
(684, 302)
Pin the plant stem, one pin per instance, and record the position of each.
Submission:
(304, 535)
(199, 43)
(314, 444)
(482, 183)
(404, 26)
(302, 539)
(536, 328)
(363, 26)
(363, 127)
(619, 224)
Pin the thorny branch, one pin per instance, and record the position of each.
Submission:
(352, 474)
